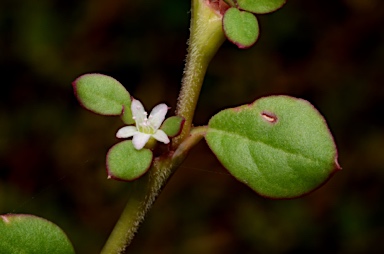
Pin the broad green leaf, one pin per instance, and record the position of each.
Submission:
(279, 146)
(240, 27)
(126, 163)
(172, 126)
(102, 94)
(260, 6)
(28, 234)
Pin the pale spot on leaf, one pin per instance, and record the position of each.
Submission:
(269, 117)
(5, 219)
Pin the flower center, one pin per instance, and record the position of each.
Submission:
(145, 126)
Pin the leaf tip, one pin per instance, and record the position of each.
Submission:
(337, 166)
(246, 46)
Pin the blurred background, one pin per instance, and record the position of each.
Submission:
(52, 151)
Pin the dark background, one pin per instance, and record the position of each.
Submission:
(52, 151)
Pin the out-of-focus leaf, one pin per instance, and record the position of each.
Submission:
(28, 234)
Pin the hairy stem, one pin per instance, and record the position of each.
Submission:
(206, 37)
(144, 192)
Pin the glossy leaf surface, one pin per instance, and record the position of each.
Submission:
(279, 146)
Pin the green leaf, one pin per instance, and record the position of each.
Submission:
(172, 126)
(126, 163)
(260, 6)
(101, 94)
(28, 234)
(279, 146)
(126, 115)
(240, 27)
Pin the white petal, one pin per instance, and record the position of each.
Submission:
(161, 136)
(138, 111)
(140, 139)
(126, 132)
(157, 115)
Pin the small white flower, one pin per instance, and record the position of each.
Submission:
(146, 127)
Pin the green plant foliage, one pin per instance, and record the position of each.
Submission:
(103, 95)
(126, 163)
(260, 6)
(28, 234)
(279, 146)
(172, 126)
(126, 115)
(240, 27)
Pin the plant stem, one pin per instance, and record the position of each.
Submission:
(206, 37)
(144, 192)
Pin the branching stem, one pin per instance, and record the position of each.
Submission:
(206, 37)
(144, 192)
